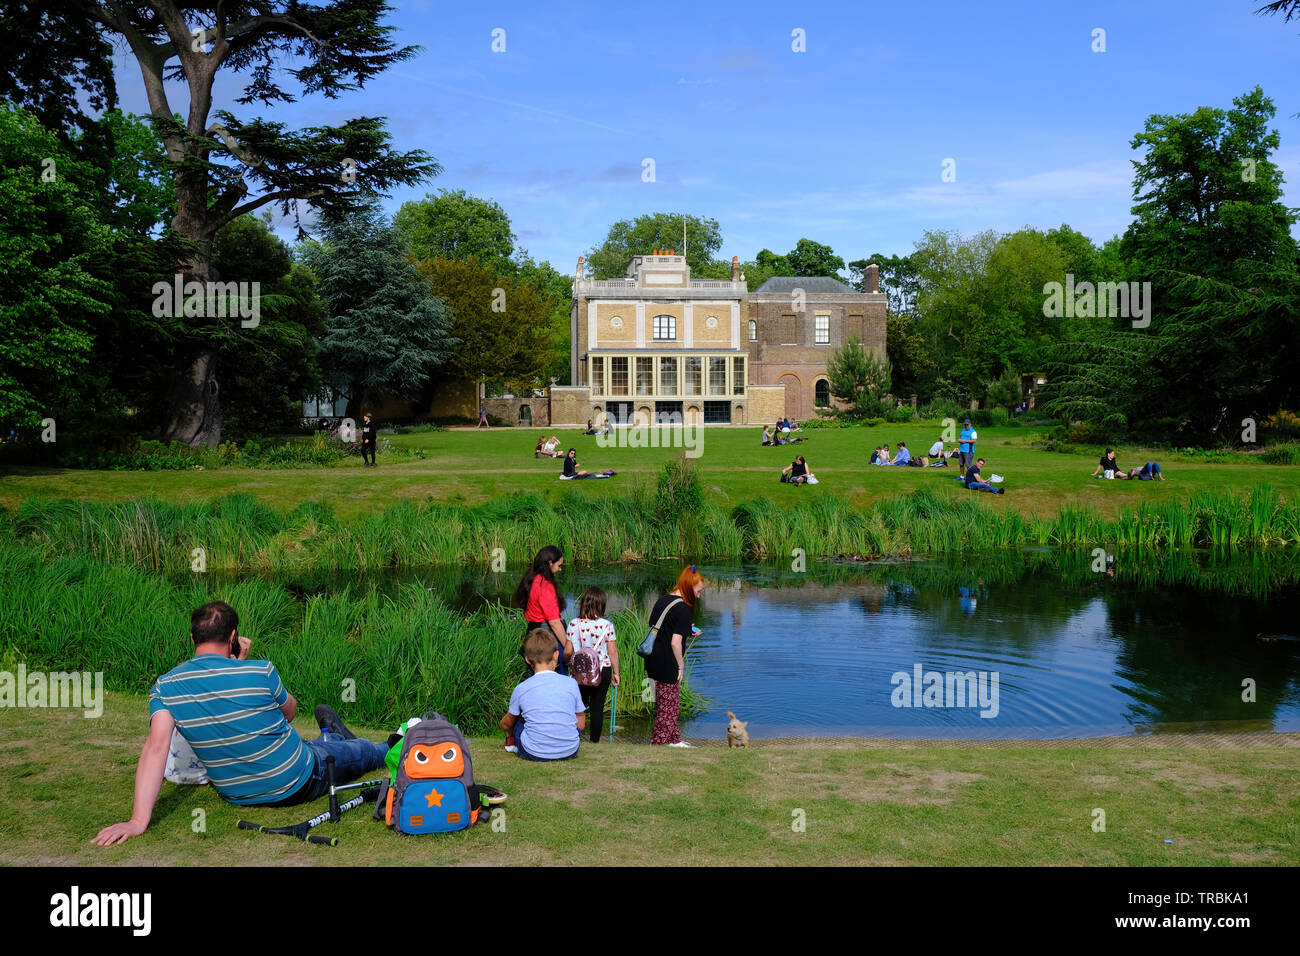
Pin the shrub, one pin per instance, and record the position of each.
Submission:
(898, 416)
(940, 409)
(1089, 433)
(1282, 455)
(1284, 426)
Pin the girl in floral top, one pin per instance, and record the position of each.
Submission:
(590, 630)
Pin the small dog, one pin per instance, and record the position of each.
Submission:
(737, 735)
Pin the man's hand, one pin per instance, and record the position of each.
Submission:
(244, 644)
(118, 833)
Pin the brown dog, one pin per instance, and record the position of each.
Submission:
(737, 735)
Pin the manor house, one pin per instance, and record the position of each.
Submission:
(658, 343)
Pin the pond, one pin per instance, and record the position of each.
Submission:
(1024, 645)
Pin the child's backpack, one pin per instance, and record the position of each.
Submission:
(431, 785)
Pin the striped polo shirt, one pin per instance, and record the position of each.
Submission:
(229, 712)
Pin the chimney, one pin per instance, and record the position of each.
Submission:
(735, 268)
(672, 252)
(871, 278)
(578, 274)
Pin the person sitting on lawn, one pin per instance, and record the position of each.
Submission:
(235, 713)
(903, 456)
(591, 428)
(1148, 472)
(607, 428)
(546, 713)
(1108, 467)
(767, 436)
(875, 455)
(547, 447)
(936, 458)
(797, 472)
(571, 469)
(976, 483)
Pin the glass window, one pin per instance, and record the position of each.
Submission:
(717, 413)
(598, 374)
(668, 376)
(717, 376)
(645, 376)
(694, 367)
(618, 375)
(823, 330)
(753, 331)
(822, 396)
(738, 375)
(665, 328)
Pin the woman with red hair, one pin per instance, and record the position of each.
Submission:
(666, 665)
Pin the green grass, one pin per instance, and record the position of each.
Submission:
(861, 802)
(473, 467)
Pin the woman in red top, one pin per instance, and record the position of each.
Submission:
(542, 601)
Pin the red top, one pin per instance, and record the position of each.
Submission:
(543, 605)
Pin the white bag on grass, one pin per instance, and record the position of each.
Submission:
(183, 765)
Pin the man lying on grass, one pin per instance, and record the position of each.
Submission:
(235, 713)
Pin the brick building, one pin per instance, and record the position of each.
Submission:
(657, 345)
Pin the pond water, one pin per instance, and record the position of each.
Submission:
(1038, 646)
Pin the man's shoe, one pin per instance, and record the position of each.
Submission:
(329, 721)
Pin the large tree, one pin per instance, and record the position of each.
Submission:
(661, 230)
(225, 166)
(387, 334)
(456, 225)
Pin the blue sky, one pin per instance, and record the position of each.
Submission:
(843, 143)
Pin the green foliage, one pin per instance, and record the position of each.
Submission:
(456, 225)
(661, 230)
(54, 244)
(1004, 391)
(386, 332)
(1282, 455)
(898, 416)
(857, 378)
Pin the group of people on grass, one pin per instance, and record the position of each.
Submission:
(1108, 467)
(236, 714)
(549, 709)
(784, 432)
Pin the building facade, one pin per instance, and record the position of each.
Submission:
(659, 346)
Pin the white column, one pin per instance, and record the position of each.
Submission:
(640, 325)
(591, 324)
(735, 325)
(688, 320)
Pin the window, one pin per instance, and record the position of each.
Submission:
(620, 413)
(694, 384)
(822, 393)
(668, 413)
(665, 328)
(738, 375)
(753, 331)
(717, 376)
(823, 329)
(598, 375)
(717, 413)
(668, 376)
(618, 376)
(645, 376)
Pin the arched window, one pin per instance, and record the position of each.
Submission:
(753, 331)
(822, 393)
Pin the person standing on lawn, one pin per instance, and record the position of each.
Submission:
(592, 631)
(542, 602)
(666, 665)
(966, 448)
(368, 440)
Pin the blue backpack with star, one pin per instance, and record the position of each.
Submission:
(431, 780)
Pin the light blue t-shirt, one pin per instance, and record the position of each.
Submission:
(903, 456)
(549, 704)
(967, 434)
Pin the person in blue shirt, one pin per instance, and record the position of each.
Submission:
(903, 457)
(546, 711)
(235, 713)
(967, 447)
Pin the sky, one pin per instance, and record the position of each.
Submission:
(844, 142)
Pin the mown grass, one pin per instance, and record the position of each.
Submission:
(376, 657)
(860, 802)
(470, 467)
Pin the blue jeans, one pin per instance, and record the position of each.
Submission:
(352, 759)
(517, 730)
(1149, 471)
(981, 486)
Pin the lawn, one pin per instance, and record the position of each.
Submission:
(1168, 800)
(472, 466)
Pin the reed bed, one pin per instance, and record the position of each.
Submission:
(401, 653)
(238, 533)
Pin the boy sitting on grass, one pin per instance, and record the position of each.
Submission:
(546, 711)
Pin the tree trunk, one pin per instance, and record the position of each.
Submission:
(195, 416)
